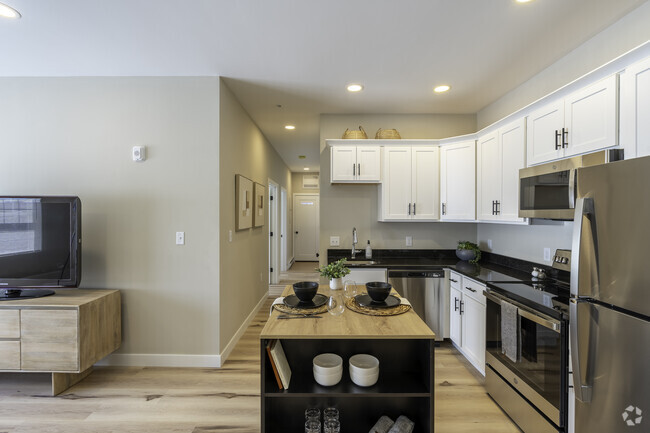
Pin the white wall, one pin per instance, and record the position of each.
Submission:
(629, 32)
(74, 136)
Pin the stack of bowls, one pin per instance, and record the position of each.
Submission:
(364, 369)
(328, 369)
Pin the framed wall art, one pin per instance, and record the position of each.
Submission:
(243, 202)
(259, 205)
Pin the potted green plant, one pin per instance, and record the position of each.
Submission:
(468, 251)
(335, 272)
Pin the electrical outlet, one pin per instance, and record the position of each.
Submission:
(489, 243)
(547, 254)
(229, 235)
(180, 238)
(335, 241)
(409, 241)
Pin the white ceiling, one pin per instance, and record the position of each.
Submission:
(302, 53)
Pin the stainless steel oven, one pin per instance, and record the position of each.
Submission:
(527, 350)
(549, 190)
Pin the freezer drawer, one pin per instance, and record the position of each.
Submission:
(610, 369)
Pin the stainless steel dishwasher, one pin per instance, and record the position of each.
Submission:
(428, 294)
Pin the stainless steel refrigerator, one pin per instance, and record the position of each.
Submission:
(610, 298)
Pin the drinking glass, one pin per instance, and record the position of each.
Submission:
(312, 427)
(331, 414)
(312, 414)
(350, 290)
(332, 427)
(335, 304)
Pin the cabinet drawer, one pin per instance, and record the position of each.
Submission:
(455, 280)
(49, 340)
(9, 355)
(474, 290)
(9, 323)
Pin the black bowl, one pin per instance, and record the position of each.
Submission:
(305, 290)
(378, 291)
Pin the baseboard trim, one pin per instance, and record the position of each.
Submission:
(225, 353)
(173, 360)
(160, 360)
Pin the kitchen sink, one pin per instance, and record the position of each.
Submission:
(361, 262)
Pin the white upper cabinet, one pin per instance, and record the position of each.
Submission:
(583, 122)
(458, 181)
(410, 186)
(500, 156)
(635, 110)
(355, 164)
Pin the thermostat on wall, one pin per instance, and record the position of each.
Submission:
(138, 153)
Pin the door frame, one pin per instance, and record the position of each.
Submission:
(284, 263)
(302, 194)
(274, 245)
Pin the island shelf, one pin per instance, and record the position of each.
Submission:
(403, 344)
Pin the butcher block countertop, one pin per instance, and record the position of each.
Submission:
(349, 325)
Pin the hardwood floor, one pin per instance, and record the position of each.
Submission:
(197, 400)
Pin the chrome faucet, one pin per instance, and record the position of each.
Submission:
(355, 241)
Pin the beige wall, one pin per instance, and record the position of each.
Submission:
(627, 33)
(296, 182)
(244, 261)
(74, 136)
(345, 206)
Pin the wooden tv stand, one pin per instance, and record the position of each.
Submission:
(63, 334)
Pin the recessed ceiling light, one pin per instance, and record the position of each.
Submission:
(306, 168)
(355, 88)
(8, 12)
(523, 1)
(441, 89)
(289, 127)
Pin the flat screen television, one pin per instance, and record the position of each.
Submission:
(40, 245)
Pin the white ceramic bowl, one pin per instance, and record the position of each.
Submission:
(328, 363)
(363, 364)
(328, 379)
(364, 379)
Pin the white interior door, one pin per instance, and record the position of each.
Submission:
(306, 226)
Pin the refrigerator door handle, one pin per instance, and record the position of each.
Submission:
(581, 385)
(583, 206)
(572, 188)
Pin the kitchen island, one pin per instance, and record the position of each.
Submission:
(403, 344)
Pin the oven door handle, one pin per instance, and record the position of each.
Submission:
(524, 312)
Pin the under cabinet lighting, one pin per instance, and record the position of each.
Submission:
(289, 127)
(8, 12)
(441, 89)
(355, 88)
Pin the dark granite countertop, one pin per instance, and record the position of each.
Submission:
(492, 267)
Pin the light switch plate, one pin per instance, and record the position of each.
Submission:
(409, 241)
(335, 241)
(180, 238)
(547, 254)
(139, 153)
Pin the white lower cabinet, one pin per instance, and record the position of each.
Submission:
(467, 319)
(366, 275)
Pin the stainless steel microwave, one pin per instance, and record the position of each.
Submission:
(548, 190)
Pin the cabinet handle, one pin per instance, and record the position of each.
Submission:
(414, 209)
(409, 209)
(455, 304)
(565, 137)
(461, 307)
(359, 169)
(469, 288)
(493, 207)
(557, 139)
(498, 208)
(444, 209)
(453, 281)
(354, 169)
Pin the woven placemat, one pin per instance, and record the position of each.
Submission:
(292, 310)
(353, 305)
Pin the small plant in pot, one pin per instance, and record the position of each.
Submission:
(468, 251)
(335, 272)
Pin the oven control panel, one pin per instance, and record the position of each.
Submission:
(562, 260)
